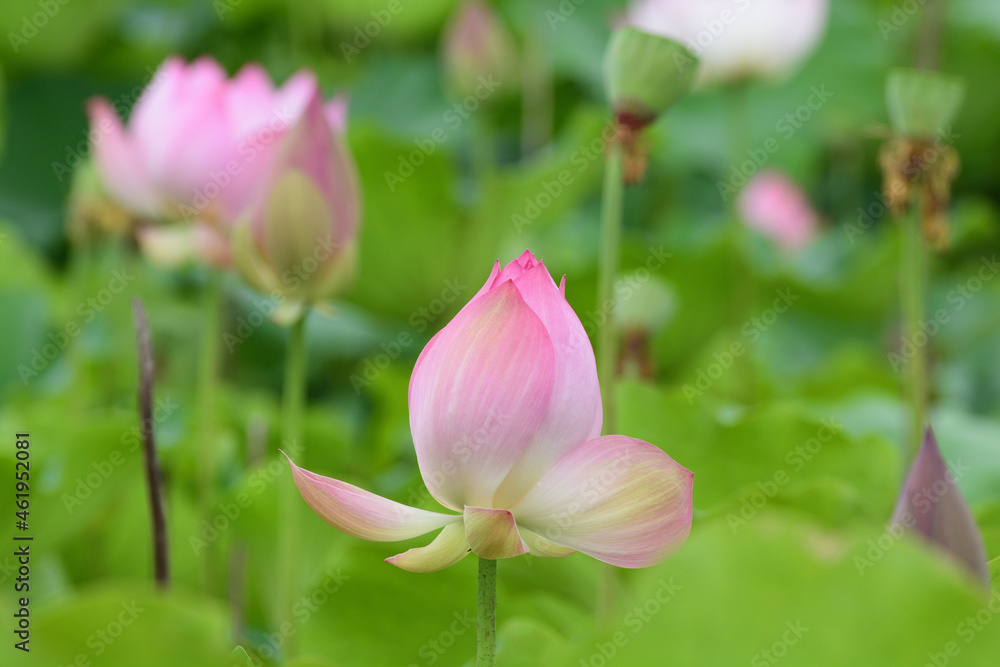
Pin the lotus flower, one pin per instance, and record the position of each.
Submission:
(737, 39)
(298, 238)
(773, 205)
(195, 149)
(505, 412)
(475, 46)
(931, 506)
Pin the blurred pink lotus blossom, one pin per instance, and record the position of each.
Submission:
(772, 204)
(476, 44)
(505, 413)
(196, 146)
(735, 39)
(298, 237)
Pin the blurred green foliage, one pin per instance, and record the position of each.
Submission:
(67, 368)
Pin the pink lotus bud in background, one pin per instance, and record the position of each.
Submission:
(196, 144)
(298, 238)
(476, 46)
(505, 412)
(775, 206)
(931, 506)
(735, 39)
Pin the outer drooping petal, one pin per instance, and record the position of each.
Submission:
(478, 392)
(362, 514)
(574, 413)
(492, 533)
(449, 547)
(618, 499)
(931, 505)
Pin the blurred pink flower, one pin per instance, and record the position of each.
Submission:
(476, 44)
(505, 413)
(775, 206)
(735, 39)
(298, 237)
(196, 144)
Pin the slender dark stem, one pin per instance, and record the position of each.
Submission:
(154, 476)
(486, 637)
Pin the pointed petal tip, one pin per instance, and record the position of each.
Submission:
(363, 514)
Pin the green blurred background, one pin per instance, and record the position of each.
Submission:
(737, 587)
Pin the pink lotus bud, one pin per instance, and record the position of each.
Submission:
(298, 238)
(476, 47)
(774, 206)
(197, 144)
(505, 412)
(737, 39)
(931, 506)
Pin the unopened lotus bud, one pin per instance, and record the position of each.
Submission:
(299, 238)
(922, 104)
(477, 52)
(931, 506)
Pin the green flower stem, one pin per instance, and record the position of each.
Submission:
(536, 94)
(913, 295)
(611, 230)
(207, 390)
(742, 290)
(288, 497)
(607, 340)
(486, 637)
